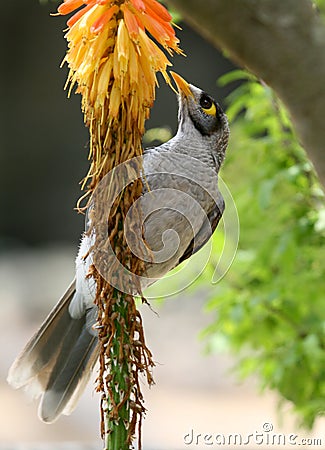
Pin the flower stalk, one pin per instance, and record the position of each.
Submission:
(115, 49)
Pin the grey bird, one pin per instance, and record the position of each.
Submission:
(181, 206)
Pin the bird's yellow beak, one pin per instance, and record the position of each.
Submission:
(182, 85)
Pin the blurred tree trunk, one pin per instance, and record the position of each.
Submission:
(280, 41)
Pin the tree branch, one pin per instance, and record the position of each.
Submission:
(282, 42)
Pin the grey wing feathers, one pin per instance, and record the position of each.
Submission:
(206, 231)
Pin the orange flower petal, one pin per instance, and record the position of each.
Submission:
(141, 26)
(79, 14)
(154, 27)
(162, 31)
(131, 22)
(171, 40)
(166, 25)
(151, 13)
(69, 6)
(138, 4)
(155, 55)
(98, 25)
(159, 9)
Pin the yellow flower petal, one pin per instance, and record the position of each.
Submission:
(122, 46)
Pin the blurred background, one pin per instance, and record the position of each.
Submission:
(43, 157)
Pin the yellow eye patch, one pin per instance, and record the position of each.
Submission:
(208, 105)
(212, 110)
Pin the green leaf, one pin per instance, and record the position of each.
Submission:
(235, 75)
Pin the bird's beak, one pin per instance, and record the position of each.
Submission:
(182, 85)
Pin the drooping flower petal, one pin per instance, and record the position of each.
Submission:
(138, 4)
(115, 100)
(131, 22)
(78, 15)
(156, 28)
(159, 9)
(123, 45)
(69, 5)
(104, 76)
(98, 25)
(133, 66)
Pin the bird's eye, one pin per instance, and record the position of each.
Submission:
(205, 102)
(207, 105)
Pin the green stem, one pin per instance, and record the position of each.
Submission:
(118, 412)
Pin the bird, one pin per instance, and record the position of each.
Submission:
(181, 205)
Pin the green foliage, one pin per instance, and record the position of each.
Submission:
(160, 135)
(320, 5)
(270, 305)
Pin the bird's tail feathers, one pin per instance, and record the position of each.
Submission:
(39, 351)
(69, 376)
(57, 361)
